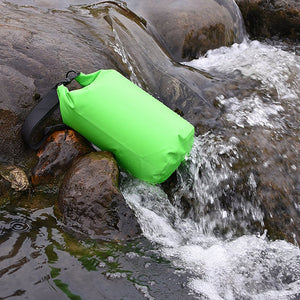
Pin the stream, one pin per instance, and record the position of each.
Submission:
(250, 266)
(199, 249)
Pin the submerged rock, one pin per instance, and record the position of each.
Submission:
(91, 203)
(57, 154)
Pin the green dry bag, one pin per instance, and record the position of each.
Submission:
(147, 138)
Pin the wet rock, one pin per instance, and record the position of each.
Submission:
(278, 174)
(4, 186)
(34, 58)
(11, 144)
(179, 87)
(91, 203)
(187, 29)
(57, 154)
(15, 176)
(271, 19)
(268, 165)
(105, 35)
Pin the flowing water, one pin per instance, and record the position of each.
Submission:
(245, 267)
(193, 247)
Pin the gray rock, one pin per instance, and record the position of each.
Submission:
(36, 55)
(187, 29)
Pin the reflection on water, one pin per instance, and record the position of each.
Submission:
(38, 258)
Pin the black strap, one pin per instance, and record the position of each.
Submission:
(41, 111)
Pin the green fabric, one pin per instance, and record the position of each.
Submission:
(146, 137)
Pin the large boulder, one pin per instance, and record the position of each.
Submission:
(187, 29)
(91, 203)
(37, 54)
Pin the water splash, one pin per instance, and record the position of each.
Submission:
(248, 267)
(201, 181)
(277, 95)
(274, 67)
(251, 111)
(231, 267)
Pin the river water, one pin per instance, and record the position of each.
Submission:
(249, 266)
(182, 254)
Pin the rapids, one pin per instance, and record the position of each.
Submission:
(249, 266)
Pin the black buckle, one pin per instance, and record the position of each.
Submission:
(70, 76)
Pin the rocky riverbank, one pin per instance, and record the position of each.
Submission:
(146, 43)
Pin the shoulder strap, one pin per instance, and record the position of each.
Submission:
(41, 111)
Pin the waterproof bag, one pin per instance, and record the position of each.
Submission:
(147, 138)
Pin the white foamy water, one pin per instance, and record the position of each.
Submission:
(278, 72)
(251, 111)
(250, 266)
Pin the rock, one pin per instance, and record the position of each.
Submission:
(16, 176)
(274, 164)
(34, 58)
(187, 29)
(4, 186)
(179, 87)
(57, 154)
(269, 19)
(36, 55)
(91, 203)
(105, 36)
